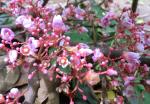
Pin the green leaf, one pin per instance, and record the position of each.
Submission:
(65, 70)
(146, 98)
(52, 49)
(127, 32)
(110, 30)
(139, 88)
(91, 99)
(76, 37)
(5, 19)
(99, 12)
(138, 79)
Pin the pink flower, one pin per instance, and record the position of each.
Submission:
(20, 19)
(85, 52)
(25, 21)
(7, 34)
(105, 21)
(84, 97)
(115, 83)
(71, 102)
(30, 47)
(12, 55)
(127, 21)
(14, 92)
(63, 61)
(147, 82)
(97, 55)
(130, 67)
(76, 62)
(2, 99)
(33, 43)
(25, 50)
(140, 47)
(80, 13)
(131, 57)
(57, 24)
(128, 79)
(82, 29)
(92, 78)
(111, 72)
(82, 45)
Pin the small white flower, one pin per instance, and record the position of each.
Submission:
(14, 90)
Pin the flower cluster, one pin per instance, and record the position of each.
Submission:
(47, 47)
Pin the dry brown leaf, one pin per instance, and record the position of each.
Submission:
(42, 92)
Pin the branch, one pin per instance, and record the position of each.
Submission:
(44, 2)
(134, 5)
(118, 53)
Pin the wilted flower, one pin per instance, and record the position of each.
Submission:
(7, 34)
(12, 55)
